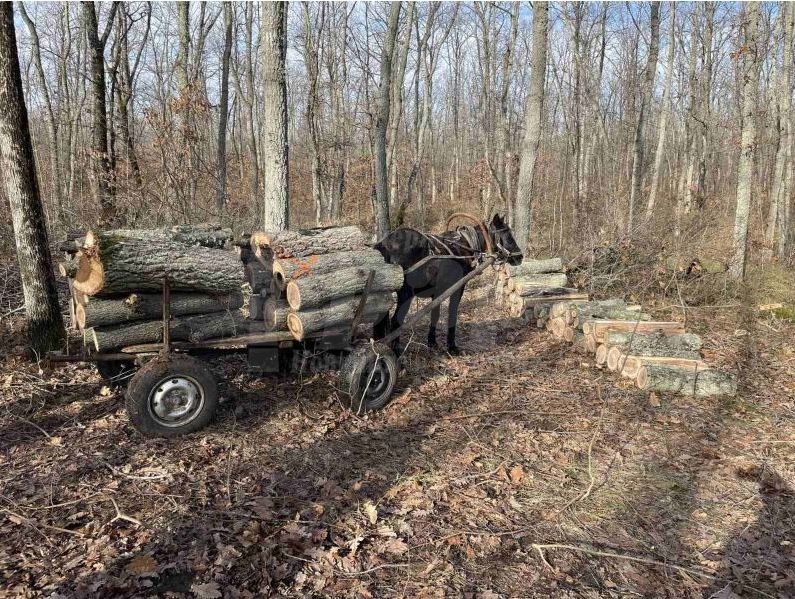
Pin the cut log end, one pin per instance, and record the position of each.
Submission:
(601, 352)
(295, 326)
(90, 276)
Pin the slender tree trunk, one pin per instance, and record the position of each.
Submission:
(223, 109)
(274, 210)
(532, 117)
(785, 198)
(100, 156)
(21, 187)
(664, 116)
(381, 198)
(640, 130)
(745, 166)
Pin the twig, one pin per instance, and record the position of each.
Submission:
(540, 547)
(133, 476)
(122, 516)
(30, 522)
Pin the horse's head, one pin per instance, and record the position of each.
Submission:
(502, 239)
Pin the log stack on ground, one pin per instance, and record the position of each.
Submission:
(529, 289)
(319, 276)
(116, 279)
(656, 355)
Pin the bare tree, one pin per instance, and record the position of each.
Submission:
(100, 152)
(223, 108)
(640, 129)
(745, 165)
(532, 117)
(274, 211)
(381, 199)
(21, 187)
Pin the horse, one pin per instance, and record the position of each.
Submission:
(408, 247)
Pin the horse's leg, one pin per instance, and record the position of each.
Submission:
(404, 297)
(452, 321)
(432, 329)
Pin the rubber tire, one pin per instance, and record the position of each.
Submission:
(356, 364)
(150, 375)
(111, 370)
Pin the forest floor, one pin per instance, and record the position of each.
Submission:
(517, 470)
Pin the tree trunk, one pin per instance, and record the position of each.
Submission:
(99, 128)
(381, 198)
(600, 327)
(208, 235)
(665, 113)
(640, 129)
(316, 290)
(117, 264)
(657, 377)
(141, 306)
(20, 185)
(223, 109)
(188, 328)
(338, 313)
(533, 267)
(745, 166)
(287, 269)
(785, 200)
(274, 211)
(532, 117)
(636, 343)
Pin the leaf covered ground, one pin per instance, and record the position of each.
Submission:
(517, 470)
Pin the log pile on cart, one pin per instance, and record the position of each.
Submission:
(116, 279)
(656, 355)
(316, 278)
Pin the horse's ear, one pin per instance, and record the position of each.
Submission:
(497, 219)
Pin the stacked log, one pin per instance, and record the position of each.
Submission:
(116, 279)
(656, 355)
(530, 288)
(319, 277)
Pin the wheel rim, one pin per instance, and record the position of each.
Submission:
(375, 380)
(176, 400)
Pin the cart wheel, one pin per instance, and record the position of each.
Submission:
(116, 373)
(368, 374)
(172, 396)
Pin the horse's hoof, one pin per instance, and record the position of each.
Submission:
(432, 344)
(454, 350)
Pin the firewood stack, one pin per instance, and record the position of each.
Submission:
(529, 289)
(318, 276)
(116, 280)
(656, 355)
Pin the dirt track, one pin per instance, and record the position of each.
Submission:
(449, 491)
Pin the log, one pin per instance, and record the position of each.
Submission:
(529, 284)
(577, 315)
(659, 377)
(255, 307)
(569, 334)
(601, 353)
(600, 327)
(338, 313)
(186, 328)
(633, 364)
(590, 343)
(560, 309)
(303, 243)
(207, 235)
(142, 306)
(68, 268)
(530, 266)
(258, 276)
(274, 313)
(310, 292)
(644, 343)
(655, 348)
(287, 269)
(112, 263)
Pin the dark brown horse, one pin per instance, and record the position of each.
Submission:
(434, 263)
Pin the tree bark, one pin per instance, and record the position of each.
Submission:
(274, 211)
(274, 313)
(657, 377)
(640, 129)
(117, 264)
(338, 313)
(381, 197)
(529, 284)
(223, 109)
(530, 266)
(305, 243)
(20, 185)
(532, 117)
(636, 343)
(600, 327)
(316, 290)
(287, 269)
(101, 312)
(188, 328)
